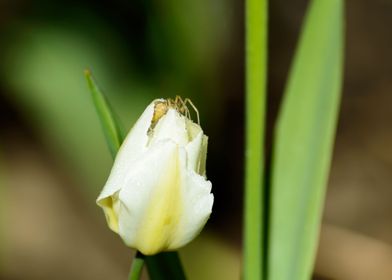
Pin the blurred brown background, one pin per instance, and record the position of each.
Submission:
(53, 158)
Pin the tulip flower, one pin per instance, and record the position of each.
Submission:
(157, 197)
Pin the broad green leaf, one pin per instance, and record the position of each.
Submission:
(256, 77)
(163, 266)
(303, 144)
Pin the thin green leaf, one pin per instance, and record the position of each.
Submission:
(303, 144)
(256, 76)
(164, 266)
(110, 125)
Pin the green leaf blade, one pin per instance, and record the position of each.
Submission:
(163, 266)
(110, 125)
(304, 142)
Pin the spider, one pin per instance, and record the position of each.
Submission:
(178, 104)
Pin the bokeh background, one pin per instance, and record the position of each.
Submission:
(54, 160)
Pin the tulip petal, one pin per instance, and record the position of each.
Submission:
(110, 206)
(203, 156)
(171, 126)
(197, 200)
(193, 152)
(133, 145)
(193, 129)
(151, 201)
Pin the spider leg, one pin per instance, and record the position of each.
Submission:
(187, 100)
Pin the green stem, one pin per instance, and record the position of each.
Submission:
(256, 78)
(137, 266)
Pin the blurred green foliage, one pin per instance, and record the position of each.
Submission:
(168, 52)
(137, 50)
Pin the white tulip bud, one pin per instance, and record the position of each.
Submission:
(157, 197)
